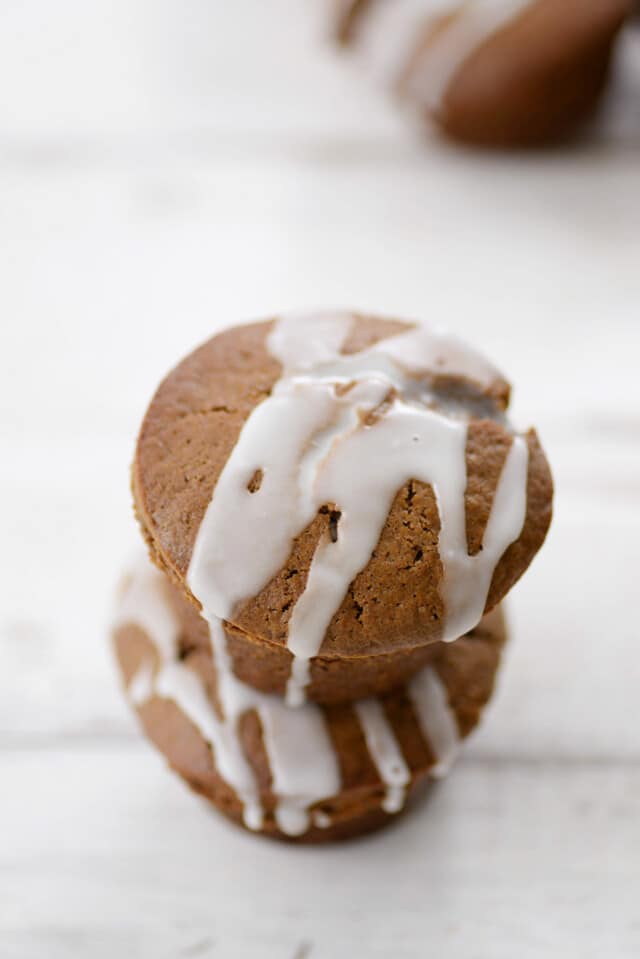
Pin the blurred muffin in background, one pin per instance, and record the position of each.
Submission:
(491, 72)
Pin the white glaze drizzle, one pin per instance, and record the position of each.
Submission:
(391, 29)
(437, 66)
(321, 819)
(385, 752)
(309, 441)
(140, 602)
(429, 698)
(140, 688)
(388, 32)
(302, 760)
(301, 757)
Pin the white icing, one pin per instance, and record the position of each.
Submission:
(431, 349)
(385, 752)
(429, 698)
(388, 32)
(139, 603)
(321, 819)
(140, 687)
(432, 449)
(144, 603)
(474, 23)
(391, 30)
(305, 342)
(301, 757)
(312, 446)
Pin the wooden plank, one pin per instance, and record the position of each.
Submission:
(103, 855)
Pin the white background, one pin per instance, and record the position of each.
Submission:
(169, 168)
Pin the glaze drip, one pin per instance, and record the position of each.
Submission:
(302, 760)
(350, 431)
(393, 40)
(435, 67)
(385, 753)
(438, 724)
(301, 757)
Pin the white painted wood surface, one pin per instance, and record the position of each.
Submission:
(170, 168)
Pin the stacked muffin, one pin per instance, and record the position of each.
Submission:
(335, 505)
(493, 72)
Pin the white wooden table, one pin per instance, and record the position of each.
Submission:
(169, 168)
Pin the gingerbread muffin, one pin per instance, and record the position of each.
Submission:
(338, 491)
(314, 773)
(493, 72)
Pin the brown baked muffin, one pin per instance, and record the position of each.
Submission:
(341, 490)
(312, 774)
(267, 666)
(493, 72)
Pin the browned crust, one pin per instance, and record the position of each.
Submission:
(267, 667)
(537, 78)
(394, 604)
(466, 667)
(349, 821)
(488, 447)
(192, 424)
(536, 524)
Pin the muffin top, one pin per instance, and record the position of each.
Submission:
(339, 483)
